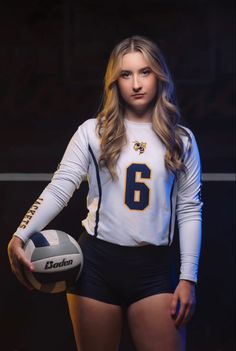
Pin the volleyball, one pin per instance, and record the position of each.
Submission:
(57, 260)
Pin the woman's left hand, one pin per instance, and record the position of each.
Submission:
(184, 297)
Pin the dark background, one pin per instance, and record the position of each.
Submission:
(53, 60)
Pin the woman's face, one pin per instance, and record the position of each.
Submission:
(136, 77)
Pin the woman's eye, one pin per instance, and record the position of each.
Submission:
(146, 72)
(125, 74)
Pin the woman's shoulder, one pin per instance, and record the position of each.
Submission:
(87, 131)
(186, 134)
(88, 123)
(88, 126)
(188, 138)
(185, 131)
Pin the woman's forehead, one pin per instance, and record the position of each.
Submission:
(133, 60)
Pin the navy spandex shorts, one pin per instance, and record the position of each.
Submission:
(122, 275)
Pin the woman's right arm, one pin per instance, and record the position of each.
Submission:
(72, 170)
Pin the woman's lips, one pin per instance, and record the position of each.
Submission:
(137, 96)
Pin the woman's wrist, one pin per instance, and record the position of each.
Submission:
(188, 281)
(18, 240)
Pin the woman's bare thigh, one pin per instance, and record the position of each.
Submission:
(96, 325)
(152, 327)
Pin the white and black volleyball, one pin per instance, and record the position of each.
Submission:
(57, 260)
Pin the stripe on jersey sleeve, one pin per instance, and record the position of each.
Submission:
(99, 190)
(171, 212)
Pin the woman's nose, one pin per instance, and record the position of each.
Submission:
(136, 83)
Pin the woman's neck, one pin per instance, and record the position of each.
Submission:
(136, 116)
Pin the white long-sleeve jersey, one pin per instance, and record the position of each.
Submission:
(137, 209)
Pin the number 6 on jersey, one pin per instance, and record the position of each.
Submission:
(137, 192)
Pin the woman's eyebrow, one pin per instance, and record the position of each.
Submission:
(141, 69)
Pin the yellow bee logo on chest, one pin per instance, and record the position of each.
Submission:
(139, 146)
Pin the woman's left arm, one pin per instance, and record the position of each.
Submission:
(189, 217)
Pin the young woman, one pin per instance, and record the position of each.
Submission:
(143, 170)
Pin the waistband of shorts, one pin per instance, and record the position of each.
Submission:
(85, 236)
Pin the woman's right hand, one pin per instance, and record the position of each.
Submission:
(18, 259)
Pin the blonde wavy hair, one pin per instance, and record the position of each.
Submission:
(165, 112)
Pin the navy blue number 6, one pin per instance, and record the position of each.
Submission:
(137, 192)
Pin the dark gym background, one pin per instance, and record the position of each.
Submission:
(53, 59)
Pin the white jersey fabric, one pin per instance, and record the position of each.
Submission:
(137, 209)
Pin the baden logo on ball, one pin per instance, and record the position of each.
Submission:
(52, 264)
(57, 259)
